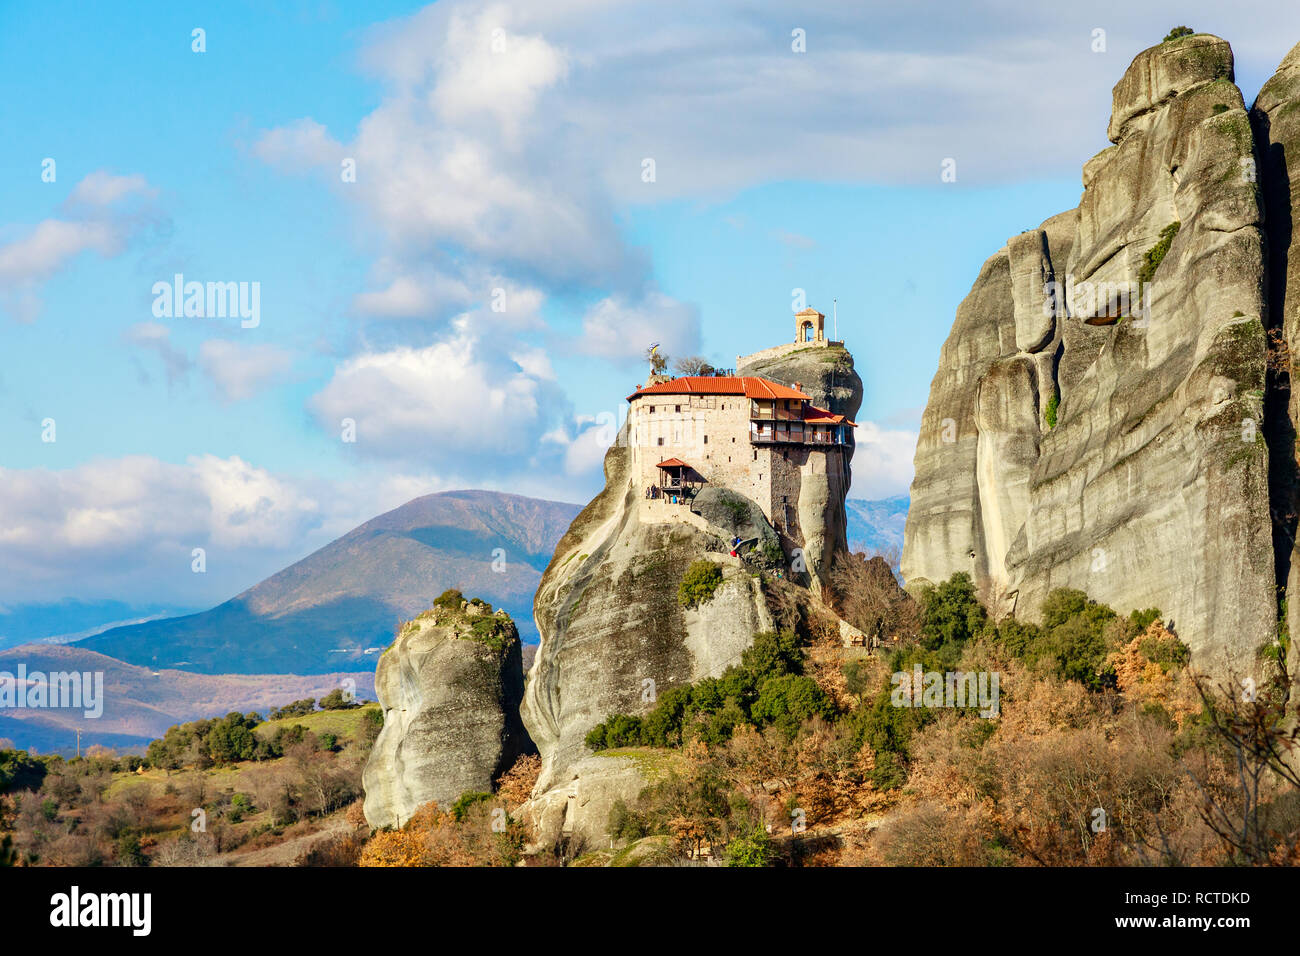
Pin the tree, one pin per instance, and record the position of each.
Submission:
(787, 701)
(869, 597)
(951, 613)
(753, 848)
(693, 365)
(337, 700)
(699, 582)
(857, 678)
(1177, 32)
(658, 360)
(1259, 727)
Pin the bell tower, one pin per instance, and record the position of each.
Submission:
(809, 327)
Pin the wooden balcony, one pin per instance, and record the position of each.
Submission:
(777, 434)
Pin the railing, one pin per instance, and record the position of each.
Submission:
(760, 414)
(767, 435)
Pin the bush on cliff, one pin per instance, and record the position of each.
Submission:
(699, 583)
(710, 709)
(450, 599)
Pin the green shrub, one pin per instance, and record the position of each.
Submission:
(619, 730)
(1177, 32)
(20, 771)
(338, 700)
(753, 848)
(492, 631)
(951, 614)
(465, 801)
(699, 583)
(712, 708)
(1141, 620)
(450, 598)
(1053, 403)
(1167, 651)
(1156, 254)
(129, 852)
(299, 708)
(787, 701)
(1072, 640)
(626, 824)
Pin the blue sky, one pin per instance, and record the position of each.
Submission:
(497, 146)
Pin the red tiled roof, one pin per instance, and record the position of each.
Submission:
(751, 386)
(672, 463)
(821, 416)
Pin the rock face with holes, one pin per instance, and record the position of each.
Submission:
(1097, 418)
(450, 686)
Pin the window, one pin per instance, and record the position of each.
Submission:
(652, 409)
(661, 441)
(755, 454)
(706, 439)
(678, 408)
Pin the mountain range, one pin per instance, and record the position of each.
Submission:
(325, 617)
(338, 607)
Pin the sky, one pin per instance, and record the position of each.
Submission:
(463, 223)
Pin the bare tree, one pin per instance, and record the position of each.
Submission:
(693, 365)
(869, 597)
(1259, 734)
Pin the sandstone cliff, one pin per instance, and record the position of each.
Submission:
(613, 632)
(450, 687)
(1276, 120)
(1098, 417)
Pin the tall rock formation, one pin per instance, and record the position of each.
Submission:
(1098, 417)
(614, 634)
(610, 618)
(450, 687)
(1276, 120)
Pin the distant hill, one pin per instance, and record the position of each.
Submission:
(334, 609)
(141, 703)
(876, 527)
(61, 622)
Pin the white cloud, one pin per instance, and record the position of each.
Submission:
(450, 404)
(102, 188)
(882, 461)
(622, 329)
(49, 246)
(128, 526)
(241, 370)
(303, 143)
(99, 220)
(404, 298)
(489, 71)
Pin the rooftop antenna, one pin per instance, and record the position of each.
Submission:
(835, 318)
